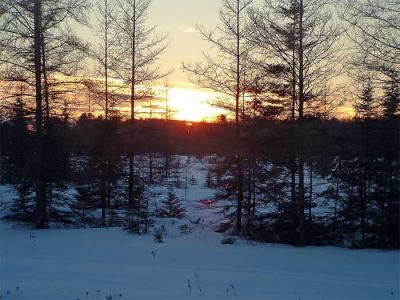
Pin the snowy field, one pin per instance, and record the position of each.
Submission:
(109, 264)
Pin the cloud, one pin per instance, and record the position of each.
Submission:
(191, 30)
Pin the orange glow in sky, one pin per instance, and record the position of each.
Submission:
(192, 104)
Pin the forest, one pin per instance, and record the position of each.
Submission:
(286, 162)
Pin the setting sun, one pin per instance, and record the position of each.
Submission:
(192, 105)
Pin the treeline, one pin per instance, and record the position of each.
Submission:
(351, 182)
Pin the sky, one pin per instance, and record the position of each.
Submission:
(178, 19)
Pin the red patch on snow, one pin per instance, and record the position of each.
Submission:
(207, 202)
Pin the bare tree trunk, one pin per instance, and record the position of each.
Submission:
(105, 183)
(106, 55)
(311, 178)
(240, 195)
(45, 81)
(132, 119)
(38, 66)
(365, 169)
(293, 133)
(237, 66)
(151, 179)
(311, 191)
(249, 196)
(300, 198)
(301, 61)
(300, 207)
(254, 204)
(103, 196)
(41, 209)
(336, 201)
(167, 149)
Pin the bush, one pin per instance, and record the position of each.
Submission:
(159, 233)
(228, 241)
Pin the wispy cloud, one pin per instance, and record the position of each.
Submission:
(191, 30)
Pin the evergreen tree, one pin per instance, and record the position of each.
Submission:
(171, 206)
(365, 105)
(391, 99)
(137, 216)
(193, 180)
(17, 167)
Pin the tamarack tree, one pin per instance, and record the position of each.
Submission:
(136, 62)
(302, 36)
(223, 72)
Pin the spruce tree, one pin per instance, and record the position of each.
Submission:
(391, 99)
(365, 105)
(18, 167)
(171, 206)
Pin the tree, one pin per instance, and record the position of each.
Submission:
(61, 49)
(38, 45)
(17, 164)
(106, 91)
(140, 48)
(41, 205)
(171, 206)
(224, 73)
(366, 104)
(98, 176)
(375, 33)
(391, 99)
(301, 36)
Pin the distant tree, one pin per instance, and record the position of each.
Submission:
(391, 99)
(171, 206)
(193, 180)
(105, 91)
(83, 205)
(366, 104)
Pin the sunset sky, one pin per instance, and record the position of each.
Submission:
(178, 19)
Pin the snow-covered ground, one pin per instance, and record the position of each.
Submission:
(112, 264)
(94, 263)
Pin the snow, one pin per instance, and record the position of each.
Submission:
(66, 264)
(73, 264)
